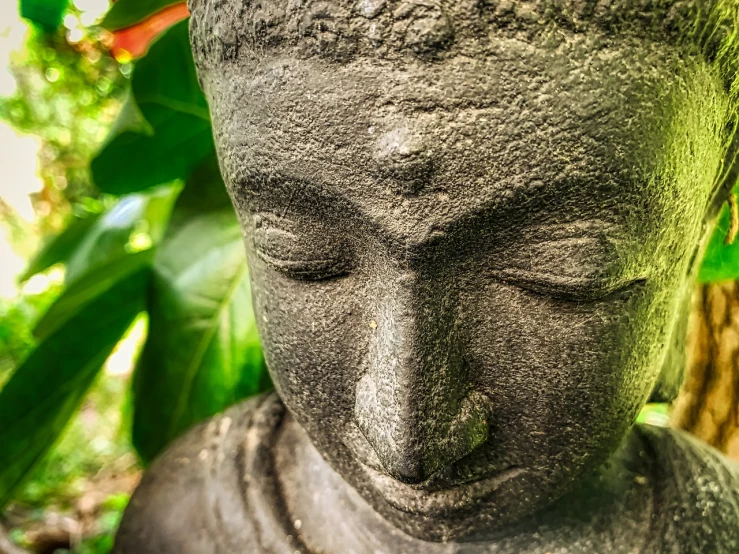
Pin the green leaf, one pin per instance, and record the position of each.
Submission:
(179, 141)
(125, 13)
(108, 252)
(46, 390)
(59, 248)
(166, 75)
(721, 261)
(203, 352)
(136, 222)
(129, 120)
(95, 283)
(47, 14)
(164, 132)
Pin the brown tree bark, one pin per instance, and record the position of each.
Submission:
(708, 405)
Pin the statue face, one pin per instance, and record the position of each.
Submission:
(468, 272)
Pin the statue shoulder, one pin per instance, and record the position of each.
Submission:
(193, 498)
(697, 493)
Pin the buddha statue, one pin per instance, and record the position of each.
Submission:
(473, 228)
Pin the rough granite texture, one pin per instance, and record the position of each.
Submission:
(472, 230)
(216, 491)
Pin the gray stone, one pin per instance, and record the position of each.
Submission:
(370, 8)
(472, 229)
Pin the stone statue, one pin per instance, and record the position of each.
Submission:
(473, 227)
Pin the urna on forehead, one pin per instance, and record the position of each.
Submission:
(344, 29)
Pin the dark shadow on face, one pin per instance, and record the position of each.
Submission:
(466, 273)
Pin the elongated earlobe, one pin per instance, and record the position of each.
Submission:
(672, 375)
(728, 177)
(674, 368)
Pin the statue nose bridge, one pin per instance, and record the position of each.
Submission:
(415, 347)
(412, 403)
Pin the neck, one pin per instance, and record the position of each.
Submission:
(610, 509)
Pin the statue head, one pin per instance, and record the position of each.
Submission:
(472, 228)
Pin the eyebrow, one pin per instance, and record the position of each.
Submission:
(260, 185)
(322, 198)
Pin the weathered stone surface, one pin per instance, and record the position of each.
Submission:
(472, 230)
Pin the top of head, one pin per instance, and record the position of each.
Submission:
(342, 30)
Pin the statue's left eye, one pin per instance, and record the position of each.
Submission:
(568, 288)
(577, 265)
(301, 256)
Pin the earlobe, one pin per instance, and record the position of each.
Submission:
(728, 175)
(674, 368)
(671, 377)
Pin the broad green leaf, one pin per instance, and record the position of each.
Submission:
(92, 284)
(59, 248)
(203, 352)
(47, 14)
(129, 120)
(118, 244)
(167, 76)
(179, 141)
(125, 13)
(721, 261)
(176, 136)
(47, 388)
(136, 222)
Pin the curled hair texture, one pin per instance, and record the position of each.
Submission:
(342, 30)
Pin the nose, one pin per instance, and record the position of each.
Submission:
(414, 404)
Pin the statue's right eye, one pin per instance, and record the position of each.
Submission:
(301, 256)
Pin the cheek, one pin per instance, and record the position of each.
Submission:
(558, 371)
(311, 337)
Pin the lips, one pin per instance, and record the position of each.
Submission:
(460, 484)
(415, 500)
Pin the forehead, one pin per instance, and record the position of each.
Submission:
(522, 124)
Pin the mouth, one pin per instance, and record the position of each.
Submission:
(428, 499)
(459, 485)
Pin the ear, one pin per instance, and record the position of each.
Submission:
(728, 175)
(672, 374)
(671, 377)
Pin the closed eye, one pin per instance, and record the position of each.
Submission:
(569, 288)
(305, 252)
(306, 269)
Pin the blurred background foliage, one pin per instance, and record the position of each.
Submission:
(124, 293)
(131, 319)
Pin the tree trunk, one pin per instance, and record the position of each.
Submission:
(708, 405)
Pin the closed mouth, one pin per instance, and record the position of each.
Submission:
(453, 488)
(421, 499)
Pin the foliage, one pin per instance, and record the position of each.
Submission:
(44, 392)
(127, 13)
(721, 261)
(47, 14)
(19, 316)
(68, 93)
(85, 478)
(163, 132)
(188, 272)
(60, 248)
(206, 354)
